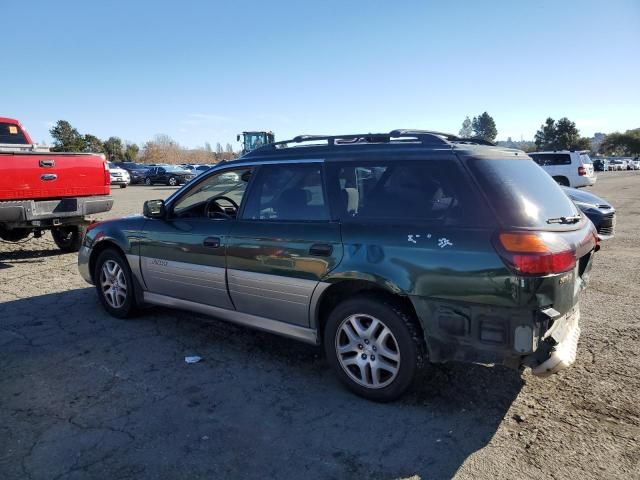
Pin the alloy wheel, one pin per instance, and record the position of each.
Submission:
(367, 351)
(113, 283)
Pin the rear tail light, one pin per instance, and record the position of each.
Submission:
(107, 174)
(582, 171)
(536, 253)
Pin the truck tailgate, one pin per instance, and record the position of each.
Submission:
(33, 175)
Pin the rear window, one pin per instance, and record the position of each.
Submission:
(549, 159)
(12, 134)
(522, 193)
(435, 191)
(584, 158)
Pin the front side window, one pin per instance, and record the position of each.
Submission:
(287, 193)
(397, 191)
(221, 193)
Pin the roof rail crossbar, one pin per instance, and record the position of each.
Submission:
(427, 137)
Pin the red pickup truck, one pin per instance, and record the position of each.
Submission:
(42, 190)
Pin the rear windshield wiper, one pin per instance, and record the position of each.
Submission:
(565, 220)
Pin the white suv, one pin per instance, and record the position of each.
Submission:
(568, 168)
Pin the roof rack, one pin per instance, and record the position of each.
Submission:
(426, 137)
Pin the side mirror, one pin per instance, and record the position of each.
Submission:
(154, 209)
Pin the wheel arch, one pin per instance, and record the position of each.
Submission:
(112, 244)
(340, 290)
(562, 180)
(100, 247)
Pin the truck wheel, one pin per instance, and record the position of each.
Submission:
(173, 181)
(13, 235)
(114, 283)
(374, 348)
(147, 181)
(68, 239)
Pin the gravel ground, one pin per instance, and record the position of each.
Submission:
(83, 395)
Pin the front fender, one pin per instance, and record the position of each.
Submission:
(123, 234)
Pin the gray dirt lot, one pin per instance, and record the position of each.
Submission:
(83, 395)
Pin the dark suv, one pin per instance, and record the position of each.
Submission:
(389, 249)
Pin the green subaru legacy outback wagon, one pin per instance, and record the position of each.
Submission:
(392, 250)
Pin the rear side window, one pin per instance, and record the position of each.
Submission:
(435, 191)
(287, 193)
(521, 192)
(551, 159)
(12, 134)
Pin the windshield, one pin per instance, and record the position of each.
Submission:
(173, 168)
(522, 193)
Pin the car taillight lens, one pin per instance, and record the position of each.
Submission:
(582, 171)
(107, 174)
(536, 253)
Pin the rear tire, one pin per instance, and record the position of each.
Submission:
(562, 181)
(172, 182)
(68, 239)
(373, 347)
(147, 181)
(114, 284)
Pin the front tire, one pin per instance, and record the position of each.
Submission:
(68, 239)
(147, 181)
(114, 283)
(172, 182)
(373, 347)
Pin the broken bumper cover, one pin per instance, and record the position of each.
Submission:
(559, 346)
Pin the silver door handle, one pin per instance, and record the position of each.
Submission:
(47, 177)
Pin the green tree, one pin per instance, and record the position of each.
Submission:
(66, 138)
(484, 126)
(560, 135)
(466, 131)
(114, 149)
(92, 144)
(627, 143)
(131, 152)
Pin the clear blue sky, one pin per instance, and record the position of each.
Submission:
(205, 70)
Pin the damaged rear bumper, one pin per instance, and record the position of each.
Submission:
(559, 346)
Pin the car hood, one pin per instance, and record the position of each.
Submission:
(584, 197)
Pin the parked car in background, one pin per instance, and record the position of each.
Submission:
(42, 190)
(201, 169)
(601, 165)
(137, 171)
(617, 164)
(633, 164)
(119, 176)
(568, 168)
(169, 175)
(389, 249)
(600, 212)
